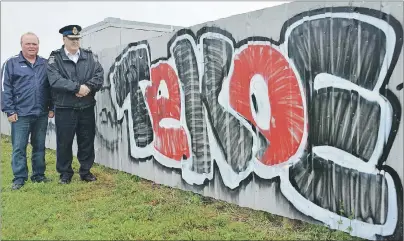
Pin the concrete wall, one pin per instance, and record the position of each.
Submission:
(294, 109)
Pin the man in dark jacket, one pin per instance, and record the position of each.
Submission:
(26, 100)
(75, 76)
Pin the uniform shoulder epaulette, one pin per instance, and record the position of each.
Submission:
(55, 51)
(87, 50)
(51, 59)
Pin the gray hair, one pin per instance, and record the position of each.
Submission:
(28, 33)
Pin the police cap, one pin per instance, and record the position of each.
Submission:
(71, 31)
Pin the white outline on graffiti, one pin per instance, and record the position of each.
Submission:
(232, 179)
(340, 157)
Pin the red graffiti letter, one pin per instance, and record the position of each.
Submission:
(164, 101)
(265, 91)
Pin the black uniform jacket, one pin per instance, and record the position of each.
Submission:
(65, 78)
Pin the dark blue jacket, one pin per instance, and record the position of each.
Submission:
(25, 88)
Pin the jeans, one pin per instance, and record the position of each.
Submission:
(20, 131)
(70, 122)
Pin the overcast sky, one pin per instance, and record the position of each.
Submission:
(46, 18)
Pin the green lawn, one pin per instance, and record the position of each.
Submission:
(123, 206)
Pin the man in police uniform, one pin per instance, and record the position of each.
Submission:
(75, 76)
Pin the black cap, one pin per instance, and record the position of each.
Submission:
(71, 31)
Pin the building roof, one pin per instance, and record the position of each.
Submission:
(120, 23)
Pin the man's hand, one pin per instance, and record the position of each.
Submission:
(51, 114)
(13, 118)
(84, 90)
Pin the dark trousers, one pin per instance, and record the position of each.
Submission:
(68, 123)
(20, 131)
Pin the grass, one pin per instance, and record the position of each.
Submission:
(123, 206)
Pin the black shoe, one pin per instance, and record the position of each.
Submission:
(88, 177)
(64, 181)
(41, 179)
(16, 186)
